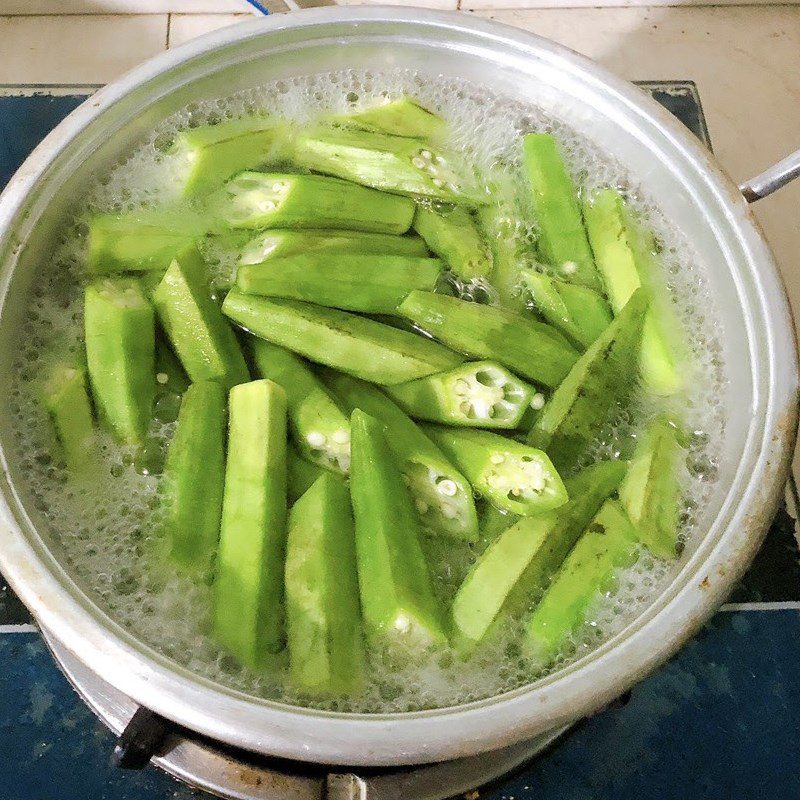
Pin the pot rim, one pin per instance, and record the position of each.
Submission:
(418, 737)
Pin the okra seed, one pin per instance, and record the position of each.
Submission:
(448, 511)
(447, 487)
(316, 439)
(497, 458)
(569, 267)
(418, 162)
(438, 183)
(461, 386)
(162, 377)
(537, 401)
(422, 506)
(426, 154)
(341, 437)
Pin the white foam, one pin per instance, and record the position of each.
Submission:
(107, 526)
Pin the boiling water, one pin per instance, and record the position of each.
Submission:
(107, 528)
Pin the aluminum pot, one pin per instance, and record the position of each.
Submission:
(757, 335)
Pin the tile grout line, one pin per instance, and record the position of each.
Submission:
(169, 30)
(777, 605)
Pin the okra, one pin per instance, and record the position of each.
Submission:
(277, 200)
(589, 571)
(602, 379)
(478, 394)
(300, 474)
(531, 349)
(193, 477)
(442, 496)
(397, 598)
(201, 336)
(400, 117)
(354, 344)
(650, 491)
(562, 237)
(624, 252)
(578, 312)
(519, 562)
(510, 475)
(497, 223)
(248, 611)
(390, 163)
(214, 153)
(323, 619)
(67, 401)
(451, 233)
(170, 374)
(141, 240)
(321, 430)
(120, 343)
(367, 283)
(281, 243)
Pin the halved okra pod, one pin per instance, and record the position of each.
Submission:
(281, 243)
(277, 200)
(441, 494)
(497, 223)
(300, 474)
(518, 563)
(214, 153)
(323, 618)
(603, 377)
(67, 401)
(400, 117)
(651, 489)
(397, 598)
(193, 478)
(624, 252)
(367, 283)
(578, 312)
(532, 349)
(120, 343)
(321, 430)
(478, 394)
(351, 343)
(608, 545)
(390, 163)
(512, 476)
(452, 234)
(200, 334)
(248, 610)
(562, 237)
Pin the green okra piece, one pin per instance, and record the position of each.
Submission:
(397, 598)
(281, 243)
(651, 489)
(278, 200)
(358, 345)
(300, 474)
(321, 429)
(193, 477)
(442, 496)
(580, 313)
(145, 240)
(67, 401)
(395, 164)
(120, 343)
(608, 545)
(170, 374)
(248, 608)
(528, 348)
(513, 476)
(624, 252)
(562, 237)
(478, 394)
(499, 227)
(602, 379)
(204, 341)
(323, 618)
(401, 117)
(452, 234)
(368, 283)
(518, 563)
(214, 153)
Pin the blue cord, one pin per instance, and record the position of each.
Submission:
(258, 7)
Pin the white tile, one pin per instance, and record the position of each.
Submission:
(123, 6)
(77, 49)
(183, 27)
(569, 4)
(446, 5)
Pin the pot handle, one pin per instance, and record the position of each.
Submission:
(772, 179)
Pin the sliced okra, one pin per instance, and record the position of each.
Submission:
(512, 476)
(277, 200)
(478, 394)
(498, 225)
(401, 117)
(321, 430)
(66, 399)
(442, 496)
(300, 474)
